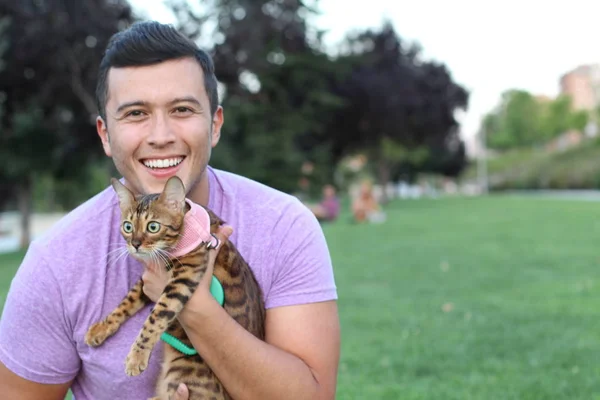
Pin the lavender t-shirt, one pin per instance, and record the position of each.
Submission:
(73, 277)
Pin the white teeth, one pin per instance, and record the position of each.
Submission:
(163, 163)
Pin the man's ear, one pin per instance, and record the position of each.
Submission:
(217, 123)
(173, 195)
(126, 197)
(102, 130)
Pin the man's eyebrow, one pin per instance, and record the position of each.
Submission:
(131, 104)
(186, 99)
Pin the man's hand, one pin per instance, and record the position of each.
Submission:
(182, 393)
(156, 277)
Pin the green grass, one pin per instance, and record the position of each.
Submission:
(492, 298)
(9, 263)
(520, 276)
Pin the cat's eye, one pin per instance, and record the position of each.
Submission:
(153, 227)
(127, 227)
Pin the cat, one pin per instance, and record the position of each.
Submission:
(153, 225)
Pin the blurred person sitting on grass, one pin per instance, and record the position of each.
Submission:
(159, 117)
(365, 207)
(329, 207)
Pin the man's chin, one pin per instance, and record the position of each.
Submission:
(156, 186)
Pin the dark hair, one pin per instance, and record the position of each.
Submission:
(147, 43)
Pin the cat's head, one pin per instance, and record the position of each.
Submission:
(151, 224)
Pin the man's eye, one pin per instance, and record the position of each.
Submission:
(182, 109)
(135, 113)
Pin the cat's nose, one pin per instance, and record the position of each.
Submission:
(136, 243)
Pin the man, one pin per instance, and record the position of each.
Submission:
(159, 116)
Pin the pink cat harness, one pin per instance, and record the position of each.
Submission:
(196, 231)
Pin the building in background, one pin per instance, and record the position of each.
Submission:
(583, 85)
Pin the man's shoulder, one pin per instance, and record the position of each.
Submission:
(254, 195)
(81, 224)
(69, 253)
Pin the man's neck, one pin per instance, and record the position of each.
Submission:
(199, 193)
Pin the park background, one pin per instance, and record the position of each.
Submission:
(476, 121)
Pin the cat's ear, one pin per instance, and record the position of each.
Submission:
(173, 194)
(126, 198)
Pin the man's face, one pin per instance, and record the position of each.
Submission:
(158, 124)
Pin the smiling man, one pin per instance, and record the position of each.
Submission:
(159, 117)
(160, 122)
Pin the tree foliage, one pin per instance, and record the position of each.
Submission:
(400, 108)
(522, 120)
(287, 101)
(277, 91)
(50, 53)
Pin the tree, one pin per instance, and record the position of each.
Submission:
(521, 120)
(276, 86)
(51, 53)
(516, 122)
(400, 109)
(287, 102)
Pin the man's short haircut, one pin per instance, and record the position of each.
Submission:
(148, 43)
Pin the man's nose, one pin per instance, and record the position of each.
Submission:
(161, 132)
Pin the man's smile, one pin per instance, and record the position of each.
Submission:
(159, 163)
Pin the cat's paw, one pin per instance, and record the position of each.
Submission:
(136, 362)
(99, 332)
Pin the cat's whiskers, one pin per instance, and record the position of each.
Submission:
(153, 258)
(158, 256)
(118, 252)
(156, 253)
(123, 254)
(165, 256)
(122, 247)
(169, 255)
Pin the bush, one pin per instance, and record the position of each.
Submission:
(576, 168)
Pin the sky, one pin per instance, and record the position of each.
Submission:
(489, 46)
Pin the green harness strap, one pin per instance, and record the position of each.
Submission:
(217, 291)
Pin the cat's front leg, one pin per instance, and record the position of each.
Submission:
(131, 304)
(181, 286)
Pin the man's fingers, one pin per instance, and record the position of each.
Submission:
(223, 234)
(182, 393)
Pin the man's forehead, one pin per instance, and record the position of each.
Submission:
(187, 63)
(162, 82)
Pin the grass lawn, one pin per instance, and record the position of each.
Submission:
(492, 298)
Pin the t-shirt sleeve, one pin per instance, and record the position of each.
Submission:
(303, 271)
(35, 337)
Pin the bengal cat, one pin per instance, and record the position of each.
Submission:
(153, 226)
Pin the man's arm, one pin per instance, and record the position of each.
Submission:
(12, 386)
(299, 359)
(38, 359)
